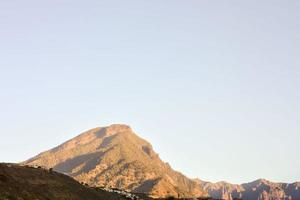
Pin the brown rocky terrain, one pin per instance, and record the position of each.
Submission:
(27, 183)
(257, 190)
(115, 156)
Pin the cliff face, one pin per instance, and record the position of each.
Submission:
(115, 156)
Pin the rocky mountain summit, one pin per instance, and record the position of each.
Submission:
(115, 157)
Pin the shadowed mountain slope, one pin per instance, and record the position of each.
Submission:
(27, 183)
(115, 156)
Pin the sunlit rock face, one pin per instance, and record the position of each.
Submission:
(116, 157)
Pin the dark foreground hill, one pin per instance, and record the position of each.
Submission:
(27, 183)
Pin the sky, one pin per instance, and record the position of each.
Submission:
(213, 85)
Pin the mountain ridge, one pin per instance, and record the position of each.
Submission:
(260, 189)
(114, 156)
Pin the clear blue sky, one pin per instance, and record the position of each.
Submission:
(214, 86)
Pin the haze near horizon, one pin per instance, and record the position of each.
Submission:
(213, 86)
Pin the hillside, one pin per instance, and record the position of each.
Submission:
(28, 183)
(115, 156)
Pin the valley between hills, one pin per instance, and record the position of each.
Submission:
(92, 163)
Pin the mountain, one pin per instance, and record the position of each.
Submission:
(28, 183)
(115, 157)
(257, 190)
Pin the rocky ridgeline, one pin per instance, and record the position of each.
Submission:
(115, 157)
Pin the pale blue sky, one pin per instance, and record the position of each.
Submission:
(213, 85)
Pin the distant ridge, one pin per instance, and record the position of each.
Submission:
(260, 189)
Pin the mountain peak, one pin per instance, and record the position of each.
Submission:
(114, 156)
(260, 181)
(118, 128)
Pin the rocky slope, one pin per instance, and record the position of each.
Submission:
(27, 183)
(115, 156)
(257, 190)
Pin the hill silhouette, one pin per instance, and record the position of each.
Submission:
(28, 183)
